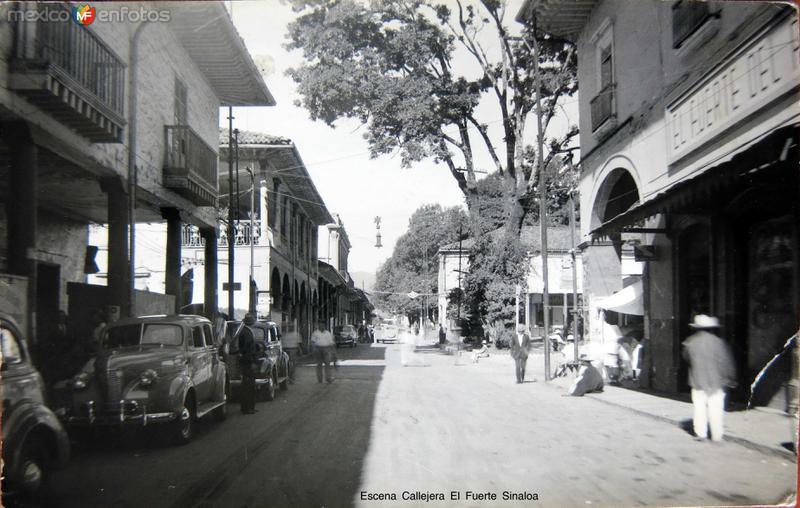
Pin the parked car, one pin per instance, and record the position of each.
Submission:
(34, 441)
(273, 361)
(345, 335)
(151, 370)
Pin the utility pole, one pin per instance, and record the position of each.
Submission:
(574, 267)
(542, 206)
(252, 292)
(460, 292)
(230, 212)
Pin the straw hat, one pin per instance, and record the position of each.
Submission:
(701, 321)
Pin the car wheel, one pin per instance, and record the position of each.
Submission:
(221, 412)
(33, 476)
(183, 426)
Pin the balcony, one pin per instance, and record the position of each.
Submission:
(190, 168)
(69, 72)
(603, 107)
(243, 235)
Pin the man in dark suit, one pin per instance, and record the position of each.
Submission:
(519, 351)
(247, 357)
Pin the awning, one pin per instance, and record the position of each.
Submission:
(627, 300)
(775, 153)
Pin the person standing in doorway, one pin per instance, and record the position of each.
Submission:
(711, 370)
(247, 358)
(323, 344)
(442, 335)
(519, 352)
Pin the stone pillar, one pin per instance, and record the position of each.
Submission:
(21, 207)
(210, 298)
(172, 276)
(118, 290)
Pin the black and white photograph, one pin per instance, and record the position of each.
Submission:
(399, 253)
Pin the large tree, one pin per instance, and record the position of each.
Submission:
(397, 67)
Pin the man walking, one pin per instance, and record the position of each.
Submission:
(711, 370)
(247, 358)
(322, 341)
(519, 351)
(291, 345)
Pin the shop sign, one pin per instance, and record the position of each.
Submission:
(759, 72)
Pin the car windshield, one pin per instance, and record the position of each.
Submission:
(132, 335)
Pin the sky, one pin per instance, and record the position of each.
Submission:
(351, 184)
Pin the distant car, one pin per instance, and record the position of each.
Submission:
(387, 332)
(34, 441)
(273, 362)
(345, 335)
(151, 370)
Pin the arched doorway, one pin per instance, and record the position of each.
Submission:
(286, 303)
(275, 294)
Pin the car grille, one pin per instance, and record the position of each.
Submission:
(114, 385)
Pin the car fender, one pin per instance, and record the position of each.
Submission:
(178, 389)
(285, 364)
(220, 377)
(25, 418)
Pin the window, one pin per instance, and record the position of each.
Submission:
(180, 103)
(687, 18)
(272, 202)
(198, 339)
(284, 217)
(603, 104)
(210, 339)
(12, 353)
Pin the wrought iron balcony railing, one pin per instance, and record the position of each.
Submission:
(190, 168)
(243, 235)
(68, 71)
(603, 107)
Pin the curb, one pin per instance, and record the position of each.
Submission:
(784, 454)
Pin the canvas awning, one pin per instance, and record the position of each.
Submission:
(627, 300)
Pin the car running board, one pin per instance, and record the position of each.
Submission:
(204, 409)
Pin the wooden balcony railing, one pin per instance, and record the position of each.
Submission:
(68, 71)
(603, 107)
(190, 168)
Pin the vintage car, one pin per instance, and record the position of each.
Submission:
(345, 335)
(34, 442)
(272, 361)
(151, 370)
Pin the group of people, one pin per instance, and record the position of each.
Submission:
(711, 372)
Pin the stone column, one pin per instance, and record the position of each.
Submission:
(118, 290)
(21, 206)
(210, 298)
(172, 276)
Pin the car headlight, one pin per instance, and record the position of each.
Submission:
(147, 378)
(80, 381)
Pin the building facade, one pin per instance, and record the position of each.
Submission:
(454, 265)
(688, 118)
(115, 123)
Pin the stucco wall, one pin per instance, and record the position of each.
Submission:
(62, 242)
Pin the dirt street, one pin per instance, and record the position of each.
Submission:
(426, 429)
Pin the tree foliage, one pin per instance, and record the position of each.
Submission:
(392, 65)
(413, 265)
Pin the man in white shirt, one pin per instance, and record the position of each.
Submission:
(322, 341)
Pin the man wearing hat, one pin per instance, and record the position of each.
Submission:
(247, 358)
(711, 370)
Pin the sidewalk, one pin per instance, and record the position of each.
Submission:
(762, 429)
